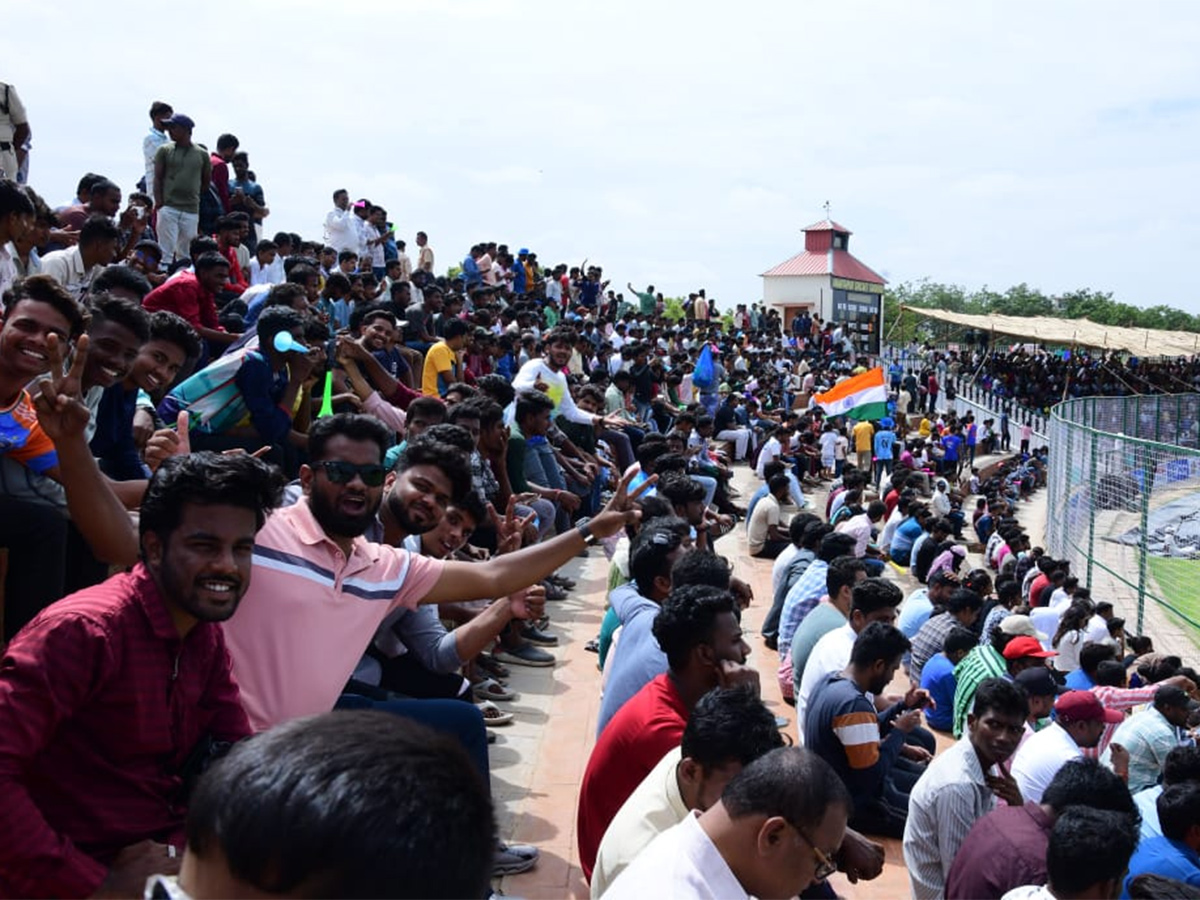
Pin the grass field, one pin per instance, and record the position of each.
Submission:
(1178, 583)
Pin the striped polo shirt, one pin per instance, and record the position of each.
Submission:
(310, 613)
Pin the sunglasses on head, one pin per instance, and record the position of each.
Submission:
(340, 472)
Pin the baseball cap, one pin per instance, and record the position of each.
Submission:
(1017, 624)
(1023, 646)
(180, 119)
(1038, 681)
(1170, 695)
(1084, 706)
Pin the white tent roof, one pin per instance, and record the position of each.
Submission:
(1083, 332)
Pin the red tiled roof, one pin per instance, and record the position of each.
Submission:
(844, 266)
(828, 225)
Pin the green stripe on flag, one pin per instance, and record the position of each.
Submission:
(868, 411)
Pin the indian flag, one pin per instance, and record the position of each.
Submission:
(861, 397)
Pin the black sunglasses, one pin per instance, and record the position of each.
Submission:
(340, 472)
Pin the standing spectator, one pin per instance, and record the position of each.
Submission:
(864, 441)
(341, 226)
(961, 785)
(425, 254)
(227, 145)
(14, 135)
(182, 174)
(885, 442)
(246, 195)
(155, 138)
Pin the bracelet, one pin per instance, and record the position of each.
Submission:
(585, 532)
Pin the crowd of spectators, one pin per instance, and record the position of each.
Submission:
(280, 514)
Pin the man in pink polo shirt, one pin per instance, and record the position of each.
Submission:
(320, 589)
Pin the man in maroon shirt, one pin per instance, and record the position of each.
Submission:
(227, 145)
(699, 632)
(112, 698)
(1007, 848)
(229, 235)
(192, 296)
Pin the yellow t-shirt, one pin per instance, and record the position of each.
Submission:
(864, 436)
(926, 428)
(440, 359)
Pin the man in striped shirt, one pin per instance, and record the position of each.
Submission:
(864, 746)
(961, 785)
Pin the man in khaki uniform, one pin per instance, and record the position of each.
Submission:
(14, 133)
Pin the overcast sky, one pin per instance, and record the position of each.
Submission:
(680, 143)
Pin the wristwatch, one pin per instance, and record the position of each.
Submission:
(585, 532)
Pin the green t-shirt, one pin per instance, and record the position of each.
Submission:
(551, 315)
(184, 170)
(646, 303)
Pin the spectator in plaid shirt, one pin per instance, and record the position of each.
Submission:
(1151, 734)
(961, 609)
(1111, 687)
(808, 591)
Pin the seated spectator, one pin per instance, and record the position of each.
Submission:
(962, 608)
(726, 731)
(961, 785)
(1182, 766)
(919, 605)
(833, 612)
(767, 536)
(95, 745)
(443, 361)
(248, 399)
(808, 590)
(192, 297)
(75, 268)
(700, 634)
(532, 467)
(773, 833)
(843, 727)
(805, 531)
(1150, 735)
(637, 657)
(348, 804)
(938, 677)
(1079, 722)
(1087, 856)
(1091, 655)
(1176, 853)
(1007, 848)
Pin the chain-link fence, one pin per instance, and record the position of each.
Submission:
(1124, 507)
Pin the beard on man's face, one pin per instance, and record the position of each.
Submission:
(338, 522)
(404, 518)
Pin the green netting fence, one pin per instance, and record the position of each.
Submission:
(1124, 505)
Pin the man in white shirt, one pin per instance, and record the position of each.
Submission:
(341, 225)
(76, 267)
(727, 730)
(1079, 725)
(775, 831)
(157, 136)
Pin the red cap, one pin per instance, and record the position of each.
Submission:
(1084, 706)
(1023, 646)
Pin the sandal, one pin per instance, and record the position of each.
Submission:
(592, 646)
(492, 666)
(491, 689)
(494, 715)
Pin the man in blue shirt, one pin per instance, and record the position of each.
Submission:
(470, 267)
(885, 440)
(937, 677)
(1175, 853)
(637, 658)
(952, 444)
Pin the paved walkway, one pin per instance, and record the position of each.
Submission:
(538, 761)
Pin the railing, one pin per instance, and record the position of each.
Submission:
(1124, 504)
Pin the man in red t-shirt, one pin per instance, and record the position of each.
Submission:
(701, 636)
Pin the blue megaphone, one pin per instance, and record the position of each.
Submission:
(285, 343)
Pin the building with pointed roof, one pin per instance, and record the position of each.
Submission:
(826, 280)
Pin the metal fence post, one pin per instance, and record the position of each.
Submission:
(1091, 479)
(1143, 556)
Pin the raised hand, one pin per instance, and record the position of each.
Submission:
(59, 398)
(620, 510)
(168, 442)
(510, 528)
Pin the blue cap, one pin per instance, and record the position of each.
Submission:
(181, 119)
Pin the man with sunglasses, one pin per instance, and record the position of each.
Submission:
(773, 833)
(321, 589)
